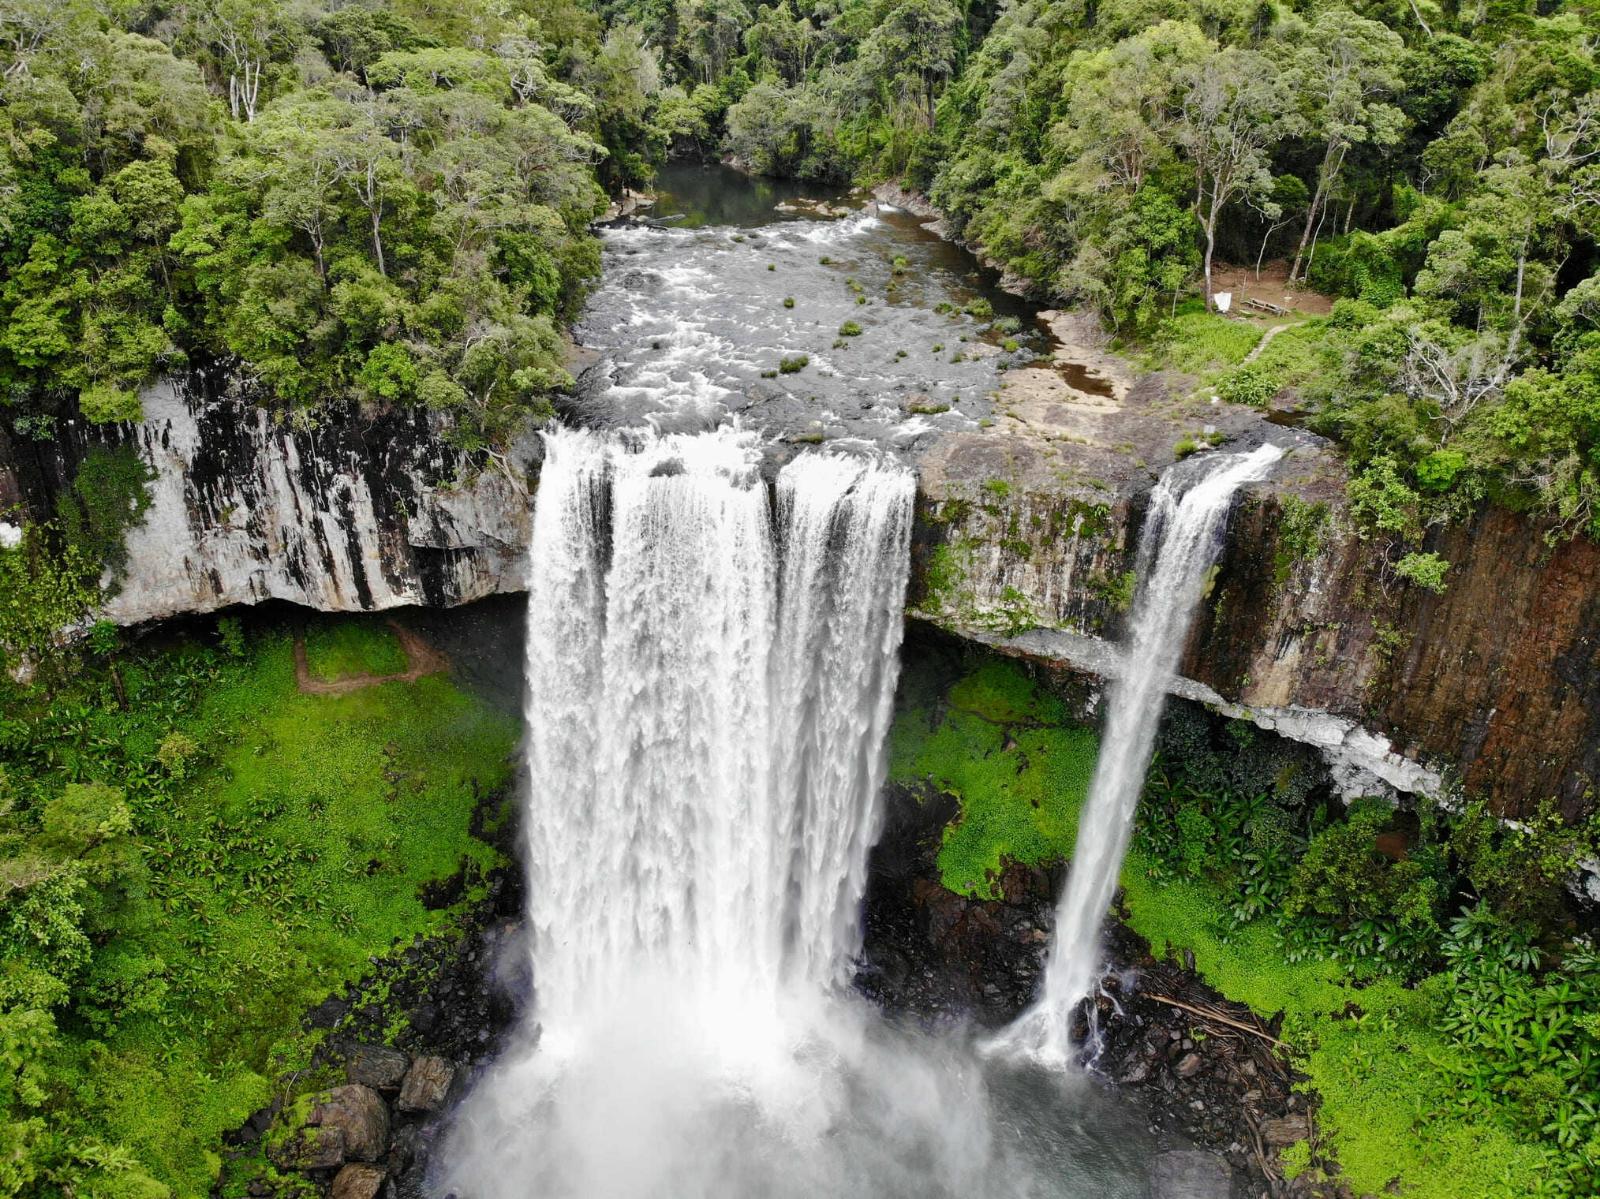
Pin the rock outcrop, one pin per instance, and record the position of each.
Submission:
(345, 509)
(1492, 686)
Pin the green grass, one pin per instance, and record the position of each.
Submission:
(292, 852)
(1367, 1051)
(1019, 800)
(1196, 341)
(1295, 355)
(338, 648)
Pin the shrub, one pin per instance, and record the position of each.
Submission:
(788, 301)
(1253, 385)
(1381, 913)
(109, 495)
(794, 364)
(980, 309)
(1300, 533)
(1425, 570)
(850, 329)
(104, 404)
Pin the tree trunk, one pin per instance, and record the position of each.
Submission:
(377, 240)
(1324, 177)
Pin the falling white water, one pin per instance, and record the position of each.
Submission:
(1179, 542)
(705, 723)
(710, 686)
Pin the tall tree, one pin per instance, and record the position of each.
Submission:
(1344, 69)
(1234, 109)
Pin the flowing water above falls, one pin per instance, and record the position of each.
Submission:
(1177, 546)
(710, 677)
(694, 319)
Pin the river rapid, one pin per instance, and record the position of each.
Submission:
(706, 296)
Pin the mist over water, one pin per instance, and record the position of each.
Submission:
(1179, 542)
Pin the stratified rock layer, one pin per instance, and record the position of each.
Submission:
(347, 509)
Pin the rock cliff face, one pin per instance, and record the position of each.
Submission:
(1307, 629)
(352, 510)
(1025, 538)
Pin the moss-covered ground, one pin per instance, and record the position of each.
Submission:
(1000, 743)
(1005, 748)
(285, 840)
(344, 647)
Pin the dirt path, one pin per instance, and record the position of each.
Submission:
(421, 659)
(1266, 338)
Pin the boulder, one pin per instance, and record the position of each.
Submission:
(377, 1066)
(309, 1149)
(1190, 1174)
(426, 1084)
(360, 1115)
(358, 1181)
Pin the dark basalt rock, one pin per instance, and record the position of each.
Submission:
(359, 1116)
(377, 1066)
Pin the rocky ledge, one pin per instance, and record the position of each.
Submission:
(1024, 539)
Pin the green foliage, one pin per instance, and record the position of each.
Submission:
(850, 329)
(1254, 385)
(41, 594)
(1425, 570)
(405, 221)
(183, 876)
(996, 742)
(109, 495)
(1198, 341)
(345, 648)
(1360, 906)
(793, 364)
(1302, 526)
(105, 403)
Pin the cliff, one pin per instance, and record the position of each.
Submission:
(1307, 629)
(350, 509)
(1024, 540)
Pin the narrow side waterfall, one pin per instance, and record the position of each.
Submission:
(1177, 546)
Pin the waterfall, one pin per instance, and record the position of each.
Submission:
(708, 696)
(710, 685)
(1177, 546)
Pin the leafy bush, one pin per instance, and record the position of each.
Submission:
(1301, 529)
(1253, 385)
(850, 329)
(1380, 913)
(1425, 570)
(794, 364)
